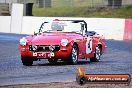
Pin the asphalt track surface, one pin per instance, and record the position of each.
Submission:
(117, 59)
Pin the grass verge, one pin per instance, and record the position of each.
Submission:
(125, 12)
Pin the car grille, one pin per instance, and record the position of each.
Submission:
(44, 48)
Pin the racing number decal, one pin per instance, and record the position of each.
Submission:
(88, 45)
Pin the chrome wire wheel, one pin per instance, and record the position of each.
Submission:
(74, 55)
(97, 53)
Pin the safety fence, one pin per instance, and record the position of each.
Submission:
(111, 28)
(73, 3)
(83, 3)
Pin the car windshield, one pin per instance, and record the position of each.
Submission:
(61, 26)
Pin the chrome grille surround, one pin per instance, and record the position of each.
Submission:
(44, 48)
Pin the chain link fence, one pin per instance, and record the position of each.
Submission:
(73, 3)
(83, 3)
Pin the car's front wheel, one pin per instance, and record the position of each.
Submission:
(74, 55)
(27, 61)
(97, 55)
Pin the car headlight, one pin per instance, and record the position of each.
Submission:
(23, 41)
(64, 42)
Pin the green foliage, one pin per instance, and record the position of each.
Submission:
(125, 12)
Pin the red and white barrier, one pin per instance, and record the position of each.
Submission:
(128, 30)
(111, 28)
(5, 24)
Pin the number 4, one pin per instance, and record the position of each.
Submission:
(88, 45)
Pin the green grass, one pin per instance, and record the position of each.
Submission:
(65, 11)
(83, 12)
(77, 3)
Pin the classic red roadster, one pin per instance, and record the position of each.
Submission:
(68, 40)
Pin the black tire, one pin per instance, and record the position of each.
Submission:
(81, 80)
(97, 55)
(74, 55)
(52, 61)
(26, 61)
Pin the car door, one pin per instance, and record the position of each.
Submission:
(88, 42)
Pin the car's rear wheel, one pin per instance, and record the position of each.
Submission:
(74, 55)
(97, 55)
(27, 61)
(52, 61)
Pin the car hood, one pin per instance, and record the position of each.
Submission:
(52, 38)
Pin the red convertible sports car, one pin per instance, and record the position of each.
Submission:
(68, 40)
